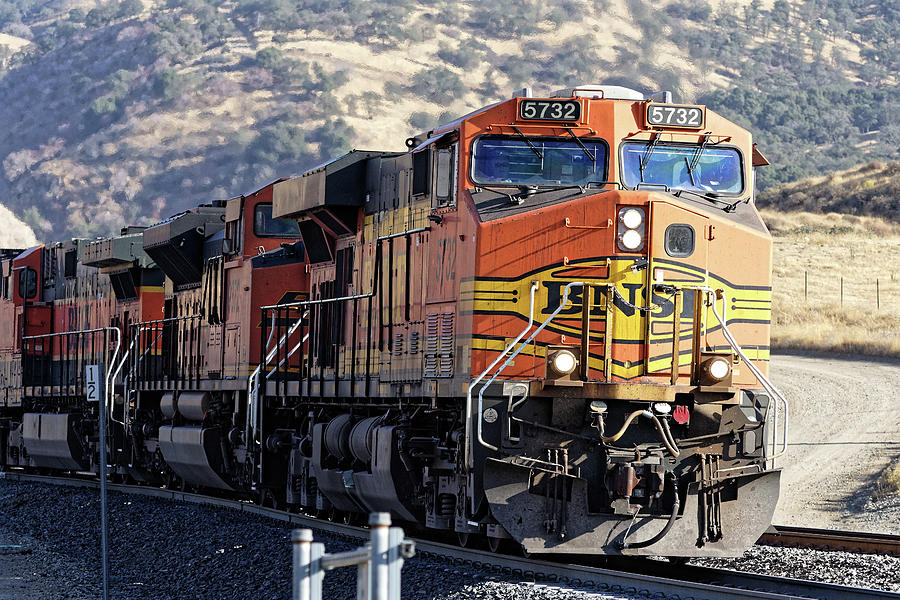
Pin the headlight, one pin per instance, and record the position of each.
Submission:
(717, 369)
(632, 218)
(631, 228)
(631, 240)
(563, 362)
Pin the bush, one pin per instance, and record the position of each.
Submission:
(464, 58)
(437, 84)
(129, 8)
(278, 143)
(100, 16)
(421, 120)
(334, 138)
(169, 84)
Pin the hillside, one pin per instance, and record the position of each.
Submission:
(128, 111)
(836, 283)
(872, 189)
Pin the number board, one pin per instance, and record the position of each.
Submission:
(92, 382)
(683, 116)
(550, 110)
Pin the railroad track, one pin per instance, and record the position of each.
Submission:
(629, 577)
(858, 542)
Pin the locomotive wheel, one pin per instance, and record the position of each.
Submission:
(494, 544)
(333, 514)
(349, 518)
(466, 540)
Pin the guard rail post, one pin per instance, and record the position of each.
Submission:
(378, 563)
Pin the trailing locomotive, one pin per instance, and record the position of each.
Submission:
(547, 321)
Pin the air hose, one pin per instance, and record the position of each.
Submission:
(624, 544)
(663, 429)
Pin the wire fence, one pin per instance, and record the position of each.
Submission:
(879, 291)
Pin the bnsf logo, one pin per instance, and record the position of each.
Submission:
(630, 295)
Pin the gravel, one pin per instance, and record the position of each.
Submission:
(160, 549)
(843, 568)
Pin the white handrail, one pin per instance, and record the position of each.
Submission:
(469, 416)
(763, 380)
(466, 451)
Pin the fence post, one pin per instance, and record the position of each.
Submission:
(806, 286)
(877, 294)
(842, 290)
(302, 542)
(379, 571)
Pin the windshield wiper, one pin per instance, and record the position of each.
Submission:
(646, 159)
(581, 145)
(711, 197)
(526, 191)
(528, 141)
(695, 160)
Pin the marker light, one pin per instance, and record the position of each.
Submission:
(632, 218)
(662, 408)
(717, 368)
(563, 362)
(631, 240)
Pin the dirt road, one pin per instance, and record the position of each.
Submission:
(844, 431)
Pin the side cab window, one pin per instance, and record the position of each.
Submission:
(445, 163)
(28, 283)
(234, 227)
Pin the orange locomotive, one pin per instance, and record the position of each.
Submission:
(548, 321)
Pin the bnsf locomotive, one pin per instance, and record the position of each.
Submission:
(547, 321)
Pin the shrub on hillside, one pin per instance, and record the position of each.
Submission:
(169, 84)
(333, 138)
(100, 16)
(437, 84)
(277, 143)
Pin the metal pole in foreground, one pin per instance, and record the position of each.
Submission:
(94, 394)
(379, 569)
(302, 541)
(103, 523)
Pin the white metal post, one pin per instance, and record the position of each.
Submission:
(395, 561)
(316, 572)
(301, 540)
(379, 571)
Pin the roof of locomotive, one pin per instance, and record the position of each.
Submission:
(599, 91)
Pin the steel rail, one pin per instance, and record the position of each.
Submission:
(858, 542)
(698, 583)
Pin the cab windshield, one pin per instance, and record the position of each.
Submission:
(686, 167)
(538, 161)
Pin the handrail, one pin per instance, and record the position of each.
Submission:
(468, 454)
(719, 294)
(253, 380)
(469, 416)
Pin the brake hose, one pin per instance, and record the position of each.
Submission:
(664, 432)
(624, 544)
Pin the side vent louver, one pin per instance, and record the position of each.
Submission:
(439, 345)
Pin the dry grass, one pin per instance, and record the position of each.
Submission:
(836, 283)
(888, 484)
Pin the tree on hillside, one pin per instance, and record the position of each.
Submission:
(129, 8)
(781, 13)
